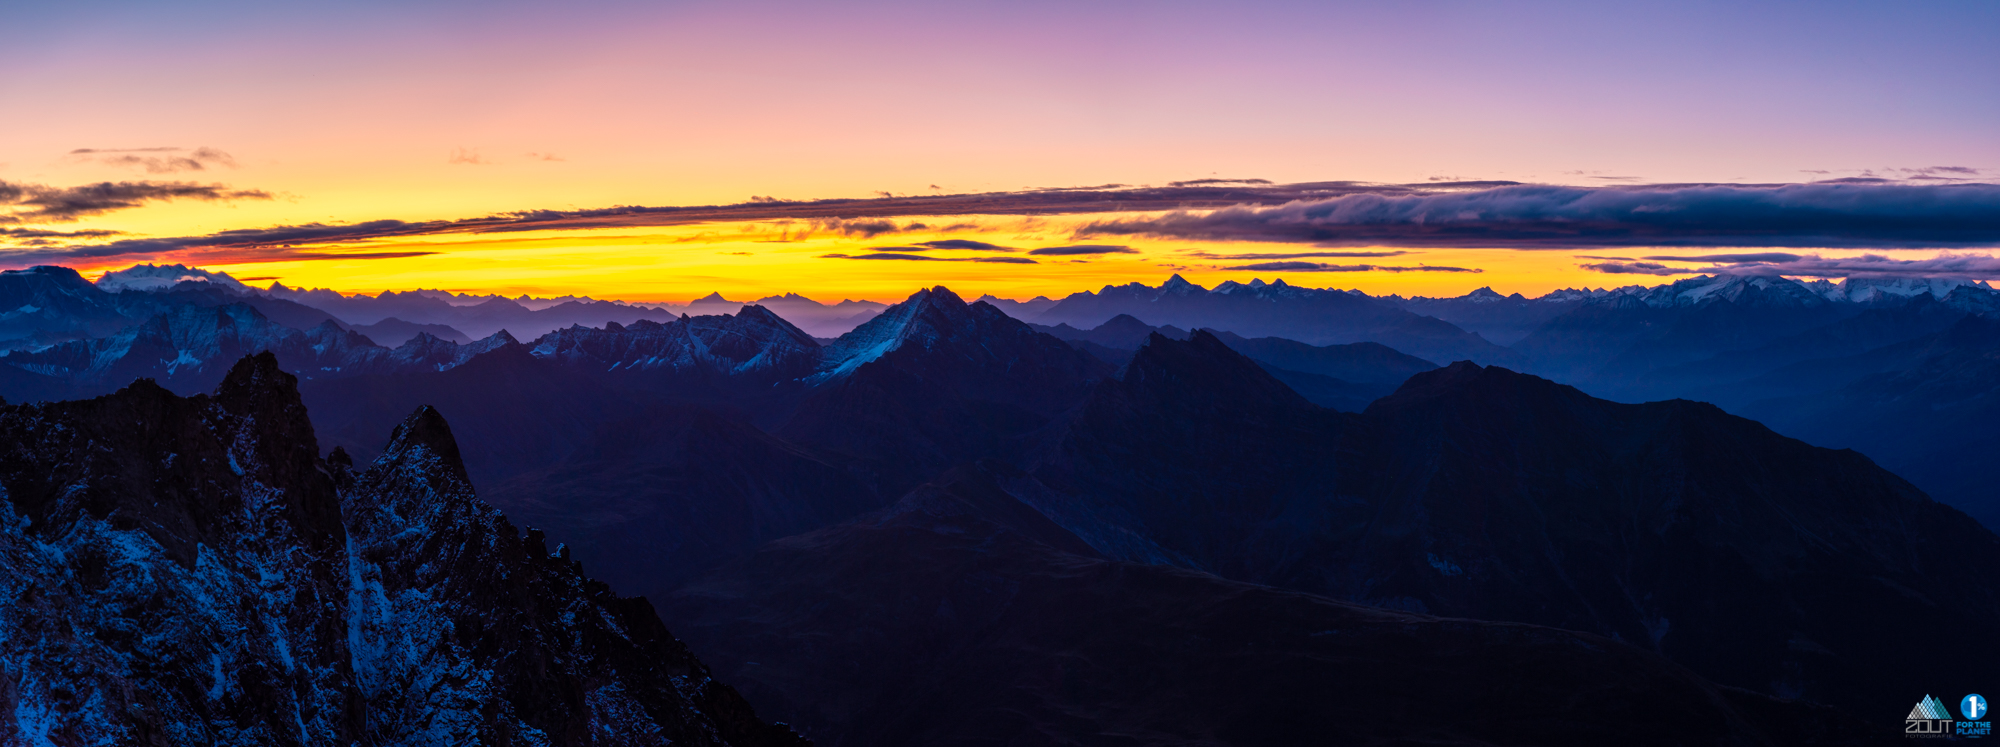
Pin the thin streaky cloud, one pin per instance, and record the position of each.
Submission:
(1728, 258)
(1083, 250)
(1300, 255)
(1321, 267)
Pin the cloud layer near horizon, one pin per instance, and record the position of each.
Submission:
(1844, 215)
(1958, 266)
(1332, 214)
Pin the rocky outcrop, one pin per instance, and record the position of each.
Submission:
(190, 571)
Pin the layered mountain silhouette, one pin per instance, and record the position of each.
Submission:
(208, 578)
(963, 616)
(1757, 560)
(1343, 377)
(1925, 408)
(1264, 521)
(1501, 319)
(1260, 309)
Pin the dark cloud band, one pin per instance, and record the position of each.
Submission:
(38, 203)
(1946, 265)
(1552, 217)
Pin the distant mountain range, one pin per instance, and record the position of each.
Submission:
(1038, 522)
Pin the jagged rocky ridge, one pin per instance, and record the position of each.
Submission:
(189, 570)
(752, 344)
(188, 349)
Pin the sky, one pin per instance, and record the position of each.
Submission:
(201, 118)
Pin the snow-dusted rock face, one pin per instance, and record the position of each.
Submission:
(753, 342)
(162, 277)
(934, 380)
(54, 300)
(1897, 289)
(190, 571)
(194, 345)
(426, 352)
(188, 348)
(1746, 290)
(929, 319)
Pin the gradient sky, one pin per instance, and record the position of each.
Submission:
(361, 111)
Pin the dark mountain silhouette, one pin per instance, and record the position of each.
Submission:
(208, 578)
(1501, 319)
(1738, 376)
(1343, 377)
(1258, 309)
(1357, 362)
(1757, 560)
(817, 319)
(393, 332)
(933, 381)
(961, 616)
(515, 413)
(1121, 332)
(666, 492)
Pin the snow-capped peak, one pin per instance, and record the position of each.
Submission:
(163, 277)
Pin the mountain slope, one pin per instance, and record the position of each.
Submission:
(1925, 410)
(933, 381)
(209, 579)
(753, 345)
(666, 492)
(1757, 560)
(960, 616)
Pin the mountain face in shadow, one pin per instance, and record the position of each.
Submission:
(1343, 377)
(515, 412)
(932, 381)
(1924, 408)
(1757, 560)
(962, 616)
(1309, 315)
(669, 491)
(189, 348)
(1799, 361)
(753, 344)
(48, 305)
(208, 578)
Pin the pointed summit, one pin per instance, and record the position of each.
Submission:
(927, 318)
(422, 437)
(1201, 374)
(712, 297)
(1180, 286)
